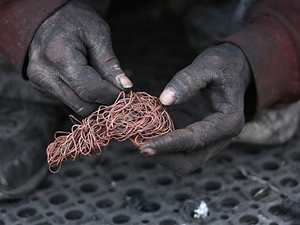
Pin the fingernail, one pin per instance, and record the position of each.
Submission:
(167, 97)
(148, 151)
(124, 81)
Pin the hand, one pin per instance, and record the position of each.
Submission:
(222, 75)
(71, 57)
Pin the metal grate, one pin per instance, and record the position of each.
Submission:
(123, 187)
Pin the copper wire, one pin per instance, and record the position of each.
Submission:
(136, 116)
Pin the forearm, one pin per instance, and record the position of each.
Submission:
(270, 39)
(19, 19)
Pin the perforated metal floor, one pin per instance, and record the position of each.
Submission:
(242, 185)
(122, 187)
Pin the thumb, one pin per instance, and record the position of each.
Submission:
(182, 87)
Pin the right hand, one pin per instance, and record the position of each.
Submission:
(71, 57)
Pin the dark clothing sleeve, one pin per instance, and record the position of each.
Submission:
(19, 19)
(270, 39)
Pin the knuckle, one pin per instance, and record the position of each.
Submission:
(85, 95)
(235, 124)
(100, 27)
(53, 53)
(102, 24)
(197, 143)
(105, 28)
(215, 57)
(197, 140)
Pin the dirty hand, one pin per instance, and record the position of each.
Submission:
(71, 57)
(222, 75)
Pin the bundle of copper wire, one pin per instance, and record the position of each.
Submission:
(136, 116)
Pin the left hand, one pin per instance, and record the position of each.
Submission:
(222, 75)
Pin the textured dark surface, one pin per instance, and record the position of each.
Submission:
(123, 187)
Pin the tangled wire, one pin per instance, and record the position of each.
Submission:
(136, 116)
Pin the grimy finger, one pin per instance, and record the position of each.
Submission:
(72, 100)
(103, 59)
(91, 87)
(183, 163)
(184, 85)
(110, 70)
(85, 81)
(213, 128)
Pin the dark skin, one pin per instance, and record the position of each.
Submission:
(222, 75)
(71, 57)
